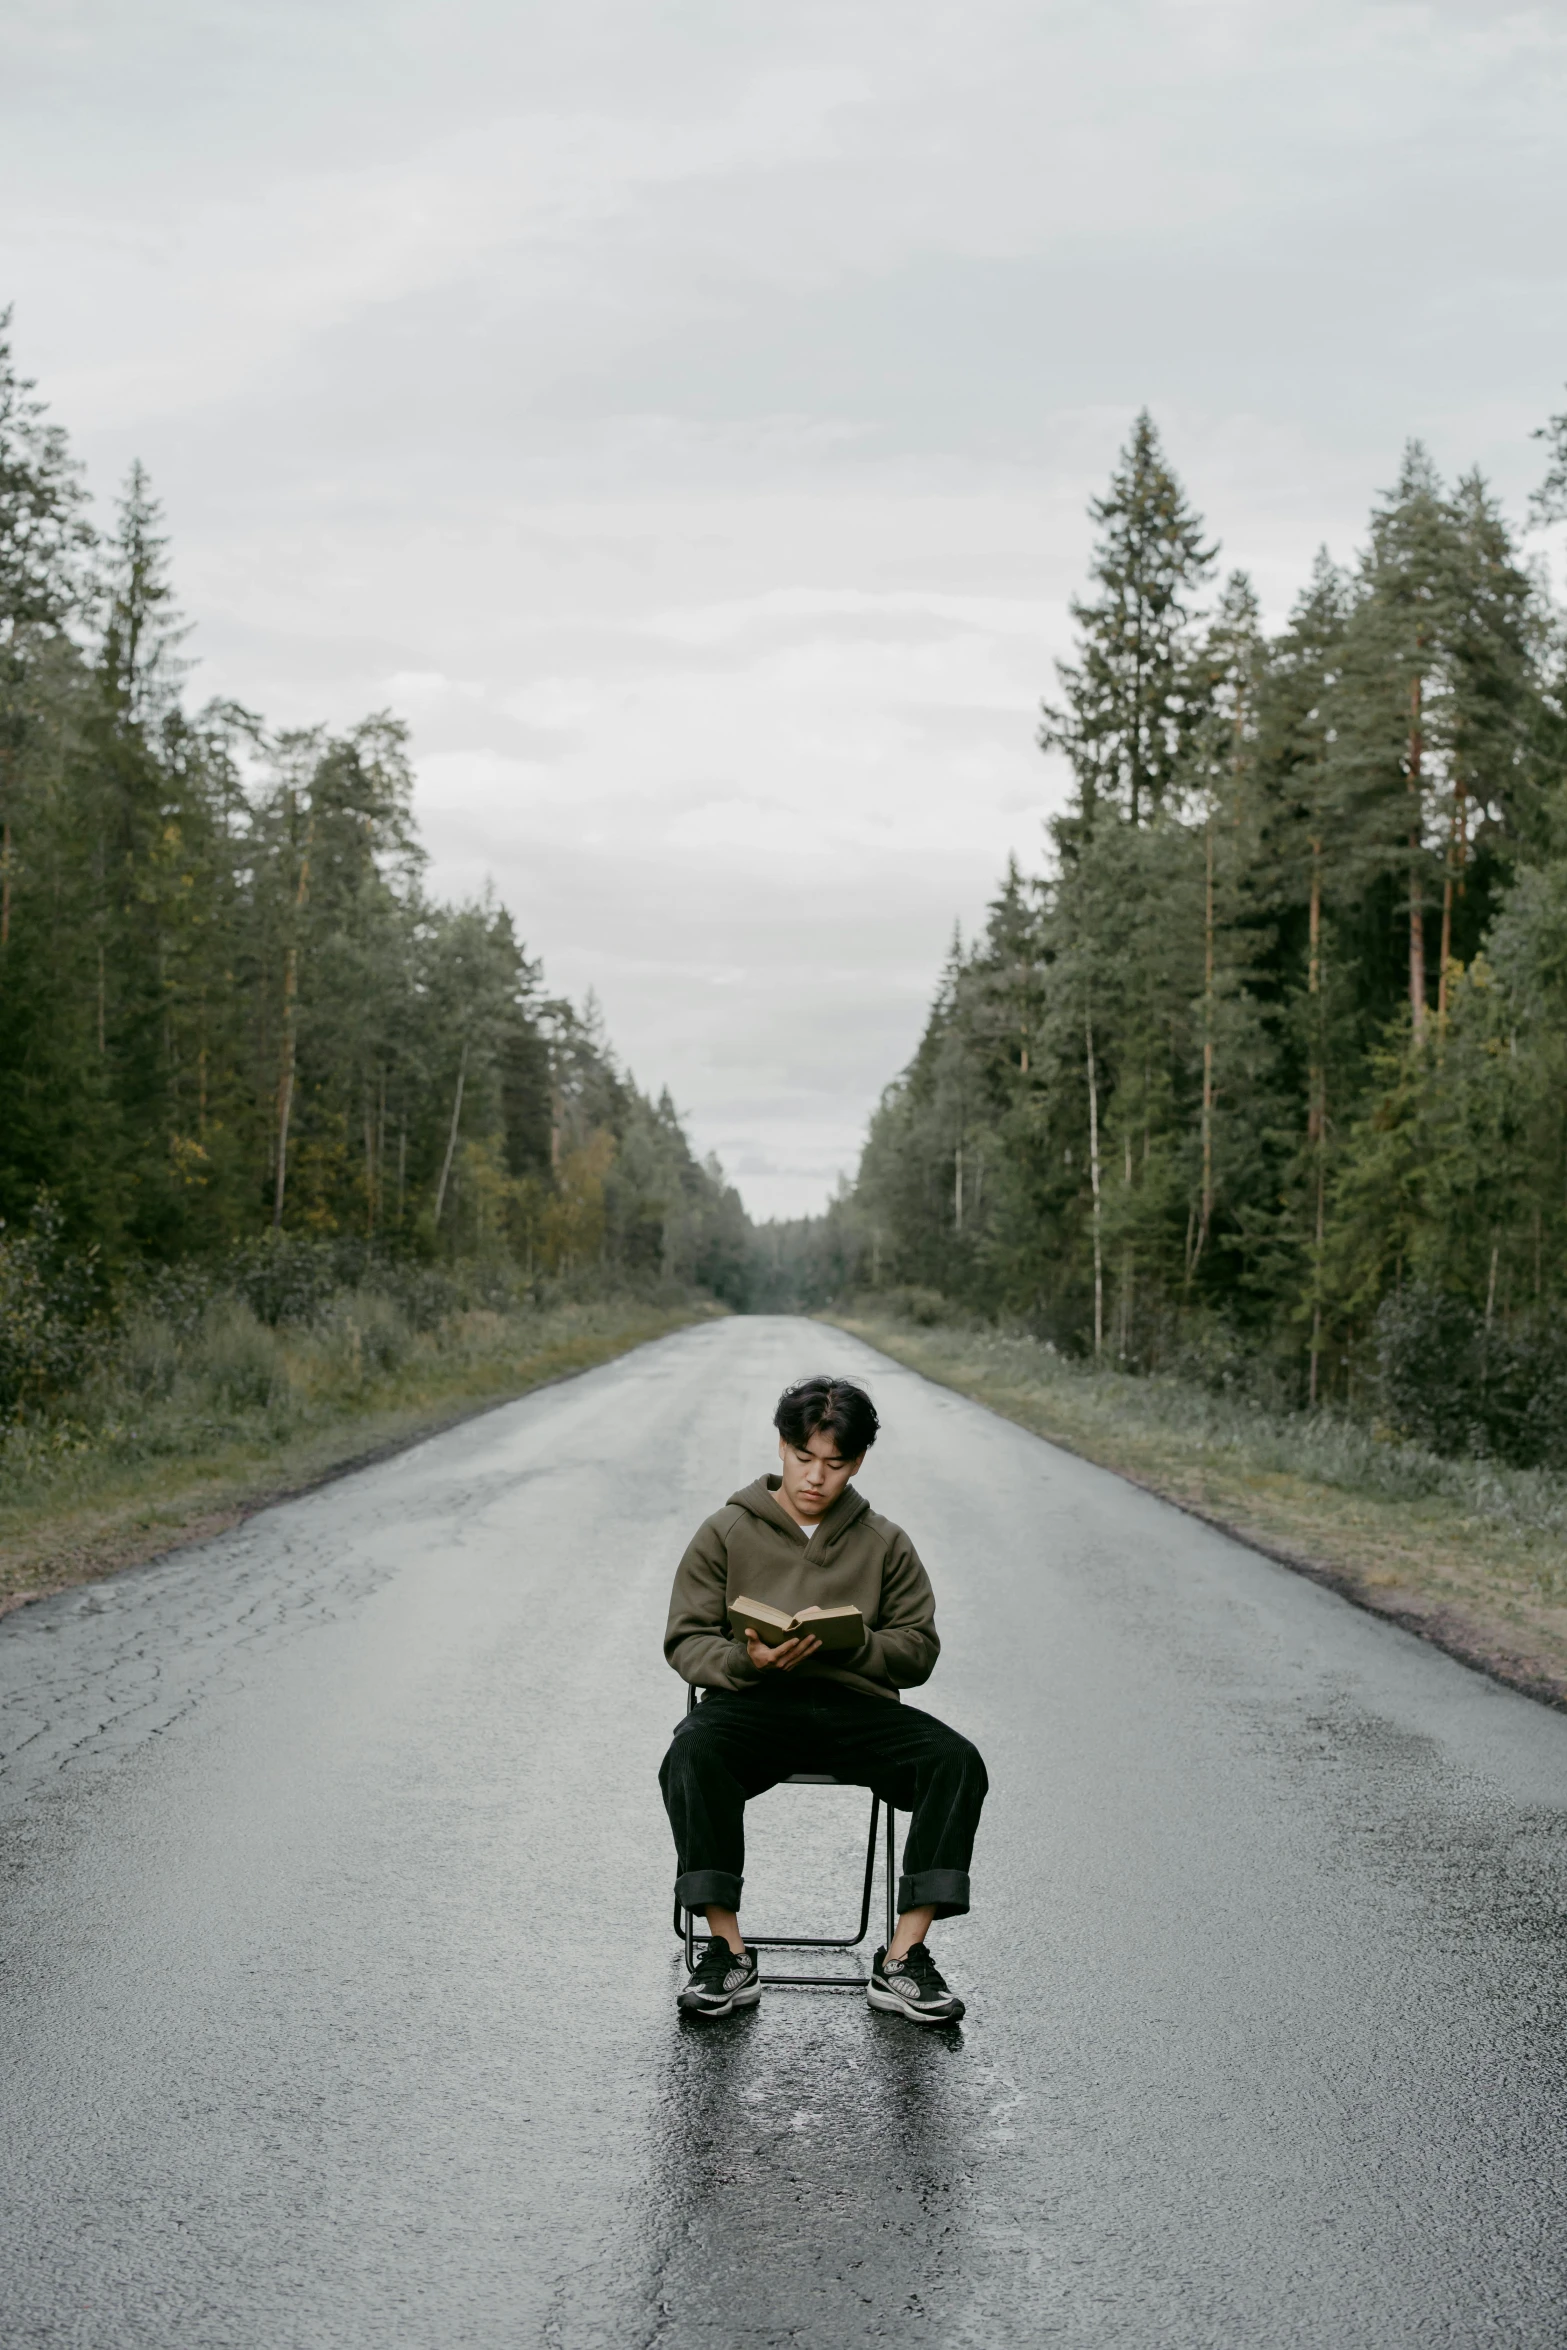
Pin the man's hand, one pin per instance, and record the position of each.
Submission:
(785, 1656)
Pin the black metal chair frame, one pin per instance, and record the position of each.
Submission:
(685, 1919)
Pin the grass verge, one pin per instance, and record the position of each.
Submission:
(177, 1441)
(1469, 1555)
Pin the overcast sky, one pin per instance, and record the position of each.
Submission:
(684, 415)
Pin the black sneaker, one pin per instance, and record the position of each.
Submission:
(721, 1982)
(912, 1986)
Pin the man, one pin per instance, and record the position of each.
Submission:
(806, 1538)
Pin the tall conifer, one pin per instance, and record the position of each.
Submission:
(1131, 700)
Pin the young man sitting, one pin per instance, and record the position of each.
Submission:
(806, 1538)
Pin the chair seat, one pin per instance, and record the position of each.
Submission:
(814, 1779)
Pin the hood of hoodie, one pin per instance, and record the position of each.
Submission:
(761, 1501)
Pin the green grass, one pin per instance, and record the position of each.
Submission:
(179, 1433)
(1472, 1554)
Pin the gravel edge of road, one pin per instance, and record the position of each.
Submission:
(1457, 1634)
(128, 1547)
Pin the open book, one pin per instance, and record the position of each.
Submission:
(834, 1627)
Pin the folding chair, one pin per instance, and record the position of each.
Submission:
(685, 1920)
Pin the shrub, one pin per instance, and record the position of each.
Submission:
(1454, 1383)
(149, 1356)
(50, 1308)
(926, 1308)
(236, 1360)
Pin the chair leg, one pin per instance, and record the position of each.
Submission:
(685, 1919)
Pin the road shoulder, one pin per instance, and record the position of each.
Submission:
(116, 1519)
(1491, 1594)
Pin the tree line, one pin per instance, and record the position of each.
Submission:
(1264, 1072)
(229, 1006)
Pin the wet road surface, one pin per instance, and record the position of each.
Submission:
(338, 1976)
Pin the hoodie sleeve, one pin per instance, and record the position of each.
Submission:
(695, 1640)
(903, 1648)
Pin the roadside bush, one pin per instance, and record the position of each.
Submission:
(236, 1360)
(1453, 1384)
(1207, 1349)
(50, 1309)
(150, 1355)
(382, 1326)
(927, 1309)
(283, 1278)
(1323, 1445)
(361, 1336)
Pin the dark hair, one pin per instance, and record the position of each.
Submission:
(844, 1410)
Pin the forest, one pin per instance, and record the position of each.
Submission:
(236, 1031)
(1261, 1076)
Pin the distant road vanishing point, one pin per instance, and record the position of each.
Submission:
(339, 1982)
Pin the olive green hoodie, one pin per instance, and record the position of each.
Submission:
(752, 1549)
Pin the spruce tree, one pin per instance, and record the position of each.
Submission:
(1130, 702)
(44, 541)
(1399, 672)
(139, 661)
(1234, 663)
(1498, 635)
(1549, 501)
(1314, 846)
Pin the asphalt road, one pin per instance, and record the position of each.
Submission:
(338, 1980)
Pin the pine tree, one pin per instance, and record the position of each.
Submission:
(44, 541)
(1131, 701)
(1234, 662)
(1315, 845)
(1549, 502)
(142, 631)
(44, 534)
(1399, 672)
(1497, 636)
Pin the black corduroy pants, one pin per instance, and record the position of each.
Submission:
(738, 1743)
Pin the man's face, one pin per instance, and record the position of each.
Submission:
(815, 1473)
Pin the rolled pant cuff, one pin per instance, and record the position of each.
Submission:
(945, 1890)
(708, 1889)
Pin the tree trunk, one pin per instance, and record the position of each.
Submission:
(1205, 1216)
(957, 1187)
(285, 1097)
(1417, 934)
(8, 778)
(1093, 1170)
(451, 1139)
(285, 1107)
(1316, 1107)
(1452, 886)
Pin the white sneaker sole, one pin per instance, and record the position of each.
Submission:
(890, 2003)
(712, 2015)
